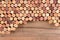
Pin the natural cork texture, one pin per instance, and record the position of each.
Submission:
(17, 12)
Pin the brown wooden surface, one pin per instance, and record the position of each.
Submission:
(34, 31)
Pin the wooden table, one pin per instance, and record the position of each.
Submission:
(34, 31)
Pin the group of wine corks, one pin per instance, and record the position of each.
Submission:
(16, 12)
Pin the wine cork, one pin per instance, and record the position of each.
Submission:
(57, 11)
(8, 5)
(11, 25)
(17, 8)
(21, 8)
(49, 11)
(36, 1)
(27, 11)
(58, 1)
(47, 14)
(9, 15)
(5, 22)
(55, 8)
(27, 5)
(23, 18)
(45, 18)
(3, 8)
(58, 8)
(13, 1)
(2, 22)
(56, 18)
(41, 5)
(55, 14)
(32, 14)
(0, 19)
(53, 5)
(36, 8)
(30, 18)
(25, 1)
(56, 24)
(15, 5)
(19, 5)
(49, 17)
(48, 1)
(45, 5)
(21, 1)
(23, 11)
(16, 22)
(9, 29)
(16, 25)
(43, 1)
(13, 15)
(58, 21)
(18, 18)
(51, 1)
(20, 22)
(11, 18)
(15, 18)
(32, 8)
(0, 25)
(3, 2)
(17, 15)
(12, 12)
(37, 11)
(39, 14)
(55, 21)
(24, 8)
(4, 5)
(41, 18)
(12, 5)
(2, 15)
(5, 29)
(13, 29)
(50, 21)
(26, 19)
(43, 14)
(7, 25)
(3, 25)
(41, 11)
(33, 11)
(36, 15)
(47, 8)
(21, 15)
(58, 14)
(53, 18)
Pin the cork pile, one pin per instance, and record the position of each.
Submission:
(16, 12)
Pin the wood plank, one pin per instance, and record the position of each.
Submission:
(29, 32)
(40, 24)
(34, 31)
(33, 34)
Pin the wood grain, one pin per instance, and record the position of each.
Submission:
(34, 31)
